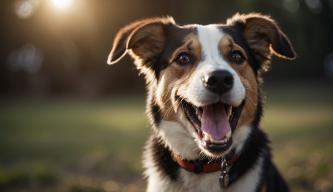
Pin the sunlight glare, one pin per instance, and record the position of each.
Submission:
(62, 4)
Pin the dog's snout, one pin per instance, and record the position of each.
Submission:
(219, 82)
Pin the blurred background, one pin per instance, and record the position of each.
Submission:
(69, 122)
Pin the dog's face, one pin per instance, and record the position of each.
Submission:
(204, 78)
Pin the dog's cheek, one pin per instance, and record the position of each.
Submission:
(165, 92)
(249, 80)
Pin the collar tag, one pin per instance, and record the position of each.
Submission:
(224, 175)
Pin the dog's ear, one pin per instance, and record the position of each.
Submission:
(145, 39)
(264, 36)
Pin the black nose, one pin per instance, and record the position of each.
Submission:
(219, 82)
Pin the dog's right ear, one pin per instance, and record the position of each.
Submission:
(143, 38)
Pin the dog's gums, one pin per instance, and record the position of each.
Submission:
(212, 124)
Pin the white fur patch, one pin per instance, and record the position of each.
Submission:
(179, 139)
(201, 182)
(239, 137)
(250, 181)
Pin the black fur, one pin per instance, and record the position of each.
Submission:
(162, 158)
(271, 178)
(153, 110)
(156, 114)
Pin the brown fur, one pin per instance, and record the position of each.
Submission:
(264, 37)
(144, 38)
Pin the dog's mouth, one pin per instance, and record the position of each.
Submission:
(213, 124)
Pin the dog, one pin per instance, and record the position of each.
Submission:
(205, 102)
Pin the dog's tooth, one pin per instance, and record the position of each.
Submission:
(219, 141)
(229, 111)
(224, 140)
(205, 136)
(228, 135)
(197, 112)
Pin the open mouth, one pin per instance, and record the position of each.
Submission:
(213, 123)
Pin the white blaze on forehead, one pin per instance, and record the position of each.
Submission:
(209, 37)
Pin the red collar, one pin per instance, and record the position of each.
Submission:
(203, 166)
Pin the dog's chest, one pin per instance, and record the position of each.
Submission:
(200, 183)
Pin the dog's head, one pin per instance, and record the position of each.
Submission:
(203, 79)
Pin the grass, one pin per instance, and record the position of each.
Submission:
(92, 146)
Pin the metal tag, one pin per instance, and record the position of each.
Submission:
(224, 176)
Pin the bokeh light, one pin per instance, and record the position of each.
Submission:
(25, 9)
(27, 58)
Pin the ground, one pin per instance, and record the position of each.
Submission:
(95, 145)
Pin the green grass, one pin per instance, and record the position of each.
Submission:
(86, 146)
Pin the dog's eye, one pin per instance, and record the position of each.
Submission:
(236, 57)
(184, 59)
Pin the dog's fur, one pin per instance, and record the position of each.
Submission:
(156, 45)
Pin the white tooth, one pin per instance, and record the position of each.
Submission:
(199, 114)
(219, 141)
(206, 136)
(209, 138)
(228, 134)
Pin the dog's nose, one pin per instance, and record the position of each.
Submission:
(219, 81)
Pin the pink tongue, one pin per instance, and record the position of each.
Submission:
(215, 121)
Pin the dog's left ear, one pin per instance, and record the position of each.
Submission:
(264, 36)
(145, 39)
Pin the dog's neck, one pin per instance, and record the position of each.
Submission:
(200, 166)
